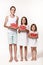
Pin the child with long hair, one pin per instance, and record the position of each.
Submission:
(23, 39)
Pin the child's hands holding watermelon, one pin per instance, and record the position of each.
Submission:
(22, 28)
(14, 26)
(33, 35)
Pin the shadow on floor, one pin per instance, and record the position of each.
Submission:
(40, 55)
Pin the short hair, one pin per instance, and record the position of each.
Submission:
(25, 19)
(35, 27)
(13, 7)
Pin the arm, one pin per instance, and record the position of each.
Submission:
(19, 31)
(27, 31)
(23, 30)
(6, 20)
(36, 36)
(29, 35)
(17, 19)
(33, 37)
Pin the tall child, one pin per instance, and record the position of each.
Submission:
(23, 31)
(12, 32)
(33, 35)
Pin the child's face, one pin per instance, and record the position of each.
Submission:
(33, 28)
(23, 21)
(12, 11)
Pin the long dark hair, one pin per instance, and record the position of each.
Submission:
(25, 19)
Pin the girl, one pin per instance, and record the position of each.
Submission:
(23, 38)
(12, 33)
(33, 35)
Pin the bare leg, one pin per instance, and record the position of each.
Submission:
(34, 53)
(25, 50)
(21, 52)
(15, 52)
(10, 51)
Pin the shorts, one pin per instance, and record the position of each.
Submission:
(12, 38)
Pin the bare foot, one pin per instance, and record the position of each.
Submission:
(11, 59)
(21, 59)
(33, 59)
(16, 59)
(26, 59)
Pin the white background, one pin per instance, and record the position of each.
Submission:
(33, 10)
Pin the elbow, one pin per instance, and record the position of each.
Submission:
(4, 25)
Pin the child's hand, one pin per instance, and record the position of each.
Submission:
(33, 37)
(29, 35)
(23, 30)
(8, 27)
(36, 36)
(27, 31)
(19, 30)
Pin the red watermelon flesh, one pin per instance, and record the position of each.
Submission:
(32, 34)
(22, 27)
(14, 25)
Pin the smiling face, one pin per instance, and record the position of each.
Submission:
(33, 28)
(12, 10)
(23, 21)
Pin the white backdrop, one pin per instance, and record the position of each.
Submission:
(33, 10)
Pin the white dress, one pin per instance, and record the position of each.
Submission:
(23, 38)
(33, 42)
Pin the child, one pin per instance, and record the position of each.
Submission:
(12, 32)
(33, 35)
(23, 37)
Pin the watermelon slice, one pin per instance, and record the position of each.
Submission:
(33, 34)
(14, 25)
(22, 27)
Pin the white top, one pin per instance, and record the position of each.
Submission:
(33, 42)
(11, 20)
(33, 32)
